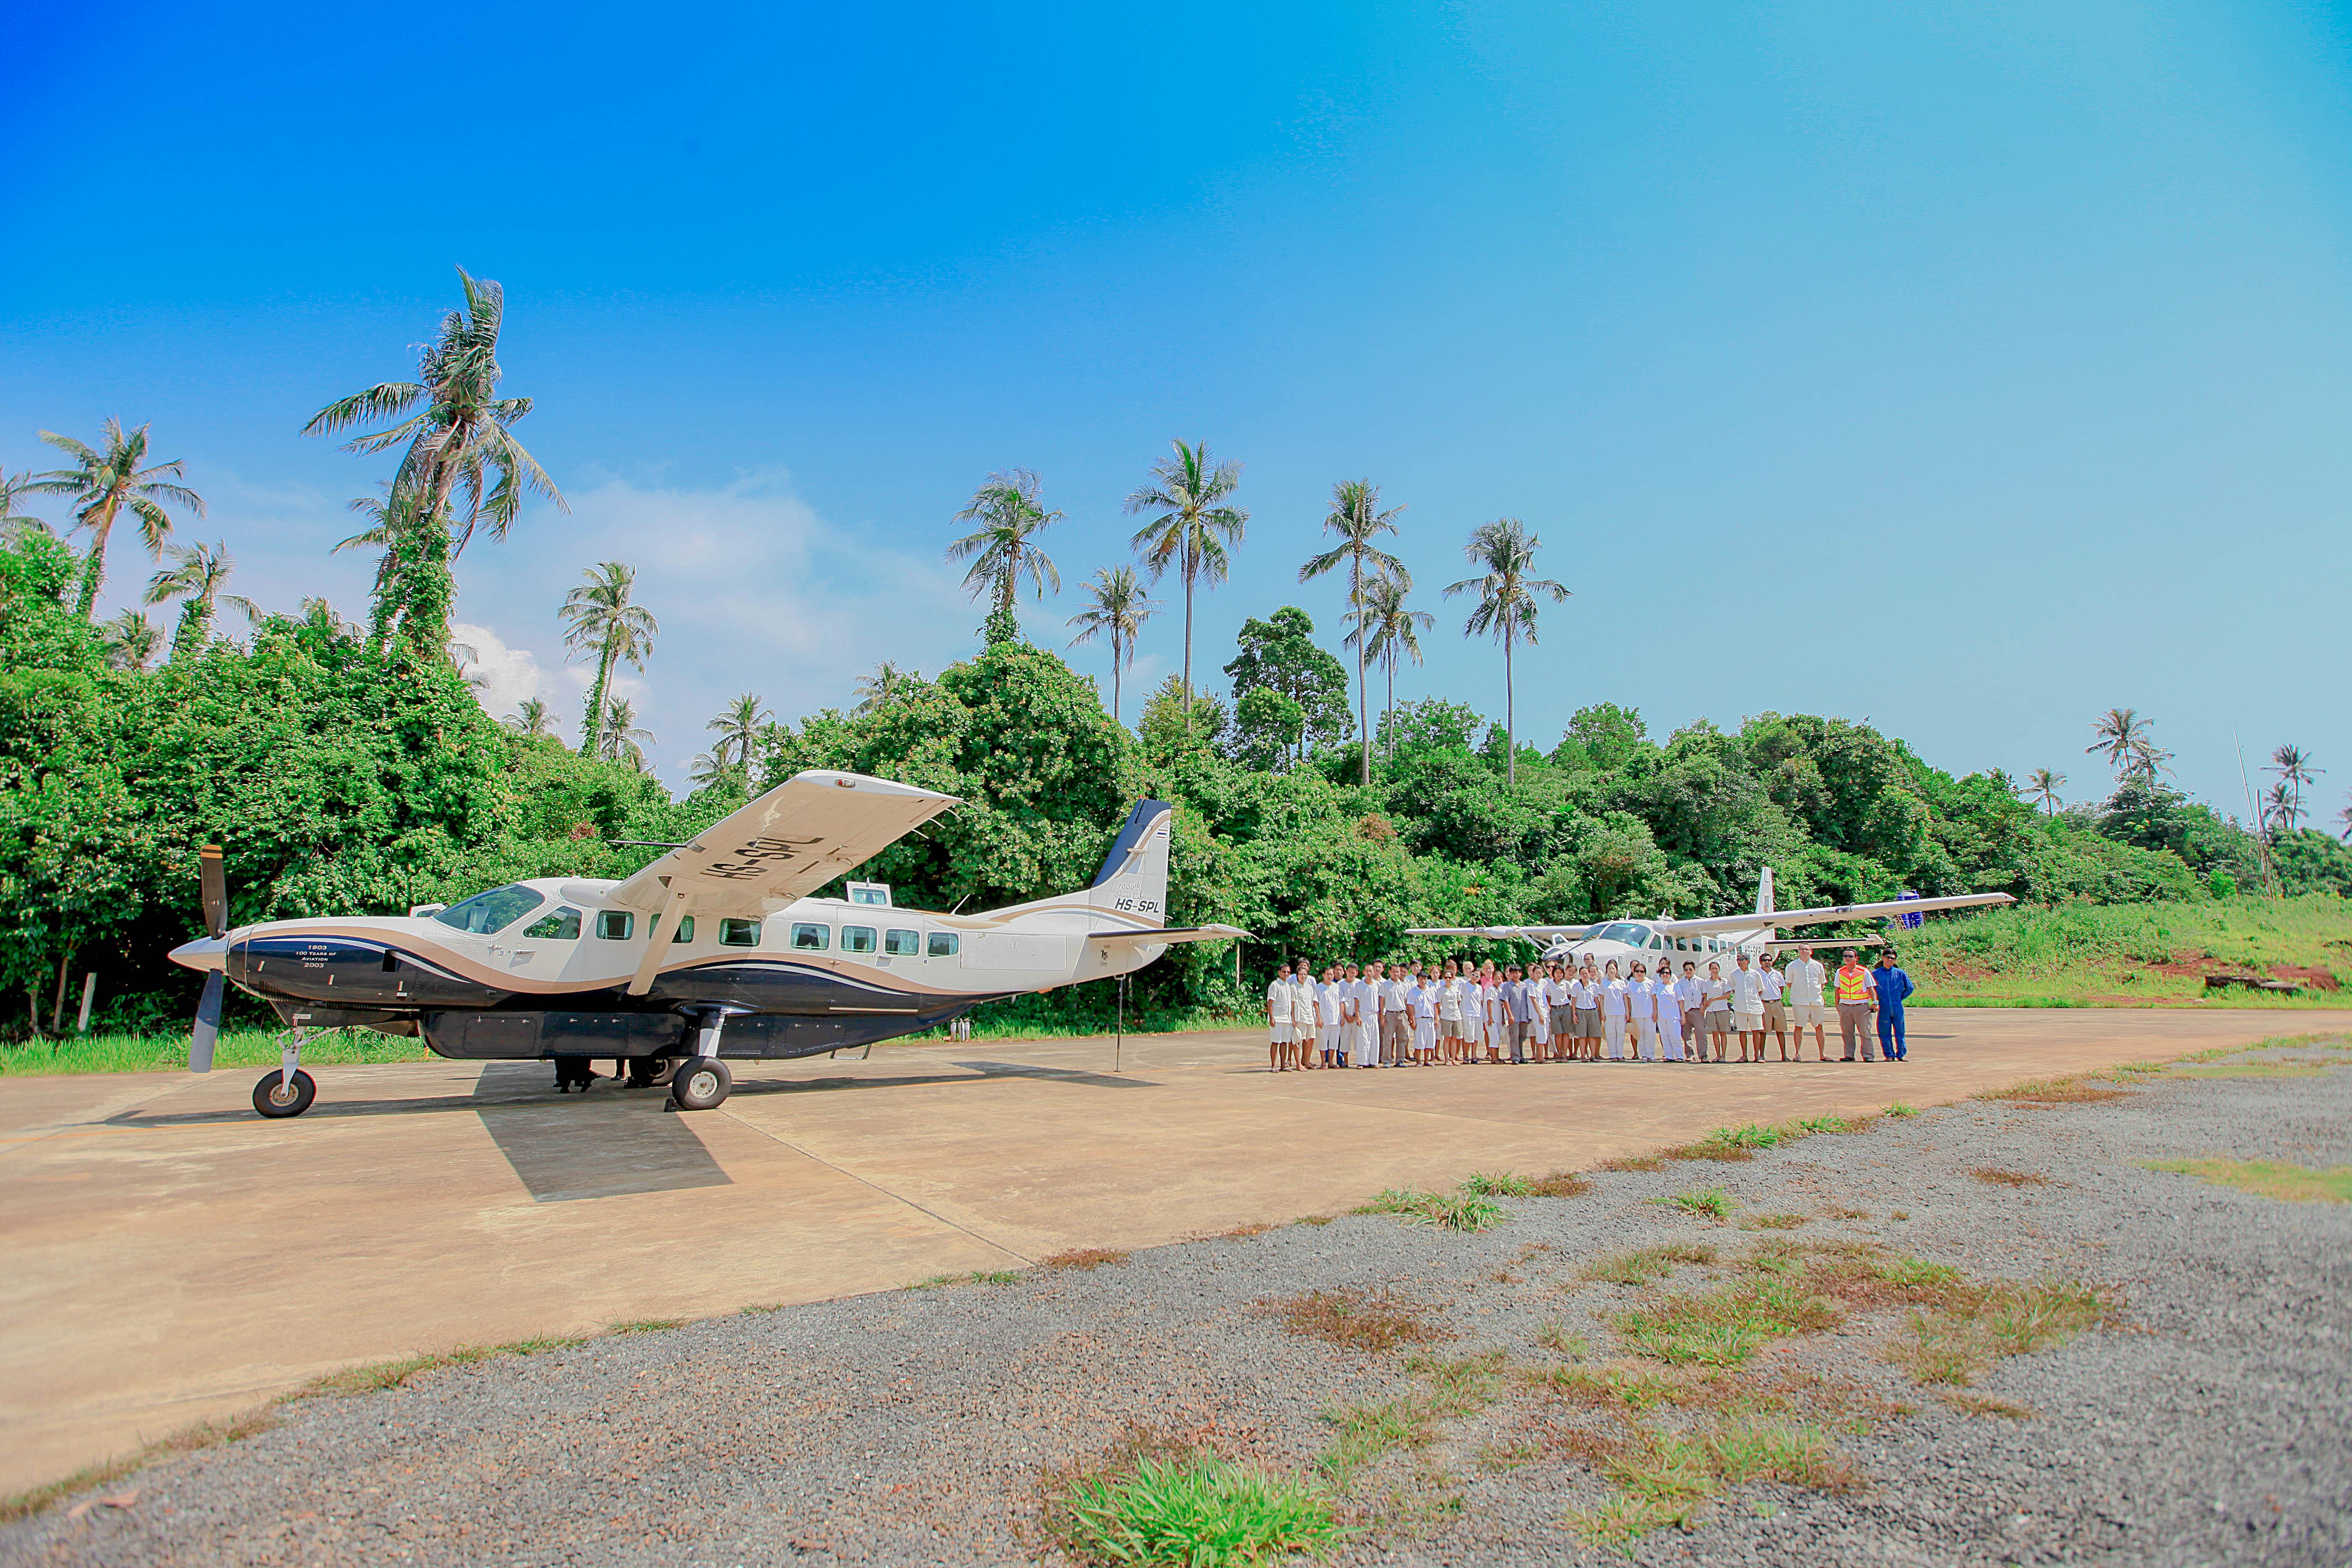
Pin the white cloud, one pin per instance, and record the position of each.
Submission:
(753, 591)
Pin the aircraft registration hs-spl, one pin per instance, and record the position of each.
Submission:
(713, 951)
(1720, 939)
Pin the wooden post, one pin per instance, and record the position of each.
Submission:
(89, 995)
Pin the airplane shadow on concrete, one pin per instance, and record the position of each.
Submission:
(628, 1141)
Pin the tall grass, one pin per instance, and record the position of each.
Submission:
(2093, 955)
(237, 1049)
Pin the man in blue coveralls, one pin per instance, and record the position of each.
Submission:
(1892, 986)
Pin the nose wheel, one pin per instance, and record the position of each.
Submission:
(276, 1095)
(700, 1084)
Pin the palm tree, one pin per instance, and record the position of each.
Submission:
(1117, 609)
(738, 725)
(201, 572)
(879, 690)
(1384, 629)
(531, 720)
(2344, 817)
(131, 641)
(600, 620)
(1007, 510)
(101, 486)
(1356, 519)
(2120, 732)
(413, 588)
(709, 769)
(461, 655)
(14, 524)
(2280, 810)
(2293, 765)
(1192, 530)
(1506, 605)
(2146, 759)
(2042, 785)
(460, 439)
(622, 739)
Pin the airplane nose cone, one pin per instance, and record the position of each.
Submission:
(205, 952)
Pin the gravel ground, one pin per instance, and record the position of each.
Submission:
(2212, 1425)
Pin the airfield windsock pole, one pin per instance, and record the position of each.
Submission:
(1119, 1040)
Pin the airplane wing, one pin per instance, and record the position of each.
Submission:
(1169, 934)
(790, 842)
(1501, 933)
(1823, 916)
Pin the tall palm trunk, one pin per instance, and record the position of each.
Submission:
(93, 571)
(1390, 718)
(1118, 651)
(1510, 730)
(1363, 701)
(1191, 570)
(591, 728)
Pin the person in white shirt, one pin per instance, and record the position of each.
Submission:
(1669, 1014)
(1804, 977)
(1690, 999)
(1497, 1009)
(1776, 1016)
(1421, 1000)
(1616, 1009)
(1279, 1036)
(1718, 1006)
(1641, 1012)
(1588, 1010)
(1748, 1008)
(1306, 1001)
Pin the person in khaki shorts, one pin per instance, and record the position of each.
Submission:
(1776, 1014)
(1396, 1021)
(1805, 978)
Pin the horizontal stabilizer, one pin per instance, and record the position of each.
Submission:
(1170, 934)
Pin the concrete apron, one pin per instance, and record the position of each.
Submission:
(172, 1257)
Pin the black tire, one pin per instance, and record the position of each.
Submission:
(700, 1084)
(268, 1100)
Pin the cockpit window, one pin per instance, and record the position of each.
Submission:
(492, 912)
(563, 925)
(1626, 932)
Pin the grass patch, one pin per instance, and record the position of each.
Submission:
(1837, 1211)
(1773, 1222)
(1627, 1385)
(1726, 1326)
(648, 1325)
(1632, 1162)
(1626, 1517)
(1986, 1404)
(978, 1277)
(1822, 1125)
(1555, 1338)
(1558, 1184)
(1955, 1343)
(1192, 1511)
(1317, 1219)
(1360, 1319)
(2253, 1070)
(1712, 1202)
(1994, 1176)
(1902, 1108)
(1648, 1265)
(2075, 1091)
(1753, 1448)
(116, 1051)
(1504, 1185)
(1087, 1258)
(2268, 1178)
(1451, 1211)
(1367, 1430)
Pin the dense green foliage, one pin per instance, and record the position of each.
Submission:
(347, 773)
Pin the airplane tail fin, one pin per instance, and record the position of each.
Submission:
(1764, 892)
(1134, 875)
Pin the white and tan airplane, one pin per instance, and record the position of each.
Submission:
(1720, 938)
(713, 951)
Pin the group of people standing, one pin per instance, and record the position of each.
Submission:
(1417, 1015)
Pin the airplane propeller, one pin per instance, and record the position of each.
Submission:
(208, 1011)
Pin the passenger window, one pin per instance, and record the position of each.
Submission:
(563, 925)
(808, 938)
(857, 939)
(685, 932)
(943, 944)
(614, 925)
(739, 934)
(902, 944)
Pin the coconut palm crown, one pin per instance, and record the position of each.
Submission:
(1116, 609)
(1507, 601)
(101, 486)
(1357, 519)
(1000, 549)
(1190, 526)
(196, 577)
(601, 621)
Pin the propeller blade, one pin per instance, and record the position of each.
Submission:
(209, 1012)
(216, 886)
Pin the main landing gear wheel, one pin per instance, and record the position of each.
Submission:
(648, 1072)
(700, 1084)
(274, 1098)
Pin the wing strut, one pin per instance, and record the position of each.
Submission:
(666, 920)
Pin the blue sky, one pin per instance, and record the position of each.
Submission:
(1965, 368)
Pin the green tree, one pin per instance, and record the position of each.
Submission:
(619, 735)
(883, 686)
(1001, 549)
(2293, 765)
(738, 725)
(601, 620)
(131, 641)
(1117, 609)
(101, 486)
(460, 440)
(1604, 736)
(12, 488)
(1191, 528)
(1385, 630)
(1355, 517)
(531, 720)
(196, 577)
(2042, 785)
(1279, 654)
(1507, 599)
